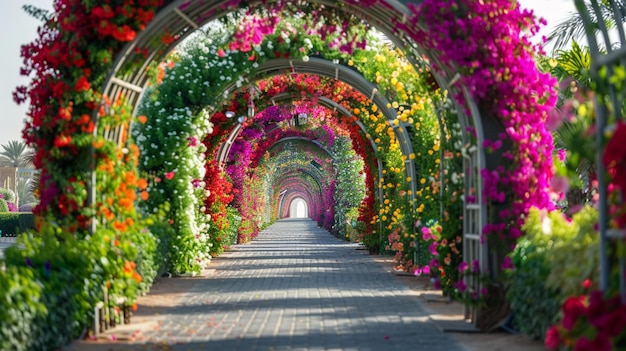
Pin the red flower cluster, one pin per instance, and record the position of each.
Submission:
(614, 158)
(590, 323)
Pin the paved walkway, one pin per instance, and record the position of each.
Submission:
(295, 287)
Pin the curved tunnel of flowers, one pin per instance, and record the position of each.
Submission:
(281, 134)
(172, 130)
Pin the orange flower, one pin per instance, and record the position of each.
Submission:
(137, 277)
(108, 214)
(126, 203)
(142, 119)
(144, 195)
(142, 183)
(134, 307)
(65, 113)
(84, 119)
(119, 226)
(129, 267)
(130, 194)
(130, 177)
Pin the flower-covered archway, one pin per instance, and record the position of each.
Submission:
(91, 72)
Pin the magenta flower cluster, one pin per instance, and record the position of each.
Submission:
(484, 42)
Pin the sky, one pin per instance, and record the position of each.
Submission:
(18, 28)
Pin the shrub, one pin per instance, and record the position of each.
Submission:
(4, 206)
(7, 194)
(13, 223)
(545, 274)
(162, 233)
(9, 223)
(26, 221)
(20, 307)
(536, 307)
(27, 207)
(39, 299)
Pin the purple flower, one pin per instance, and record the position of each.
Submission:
(433, 248)
(475, 266)
(507, 264)
(562, 155)
(463, 266)
(461, 285)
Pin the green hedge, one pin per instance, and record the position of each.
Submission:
(37, 307)
(13, 223)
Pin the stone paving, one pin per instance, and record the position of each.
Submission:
(295, 287)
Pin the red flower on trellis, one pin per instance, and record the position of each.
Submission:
(615, 160)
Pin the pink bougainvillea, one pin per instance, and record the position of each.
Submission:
(484, 41)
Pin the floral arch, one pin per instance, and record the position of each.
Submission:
(92, 72)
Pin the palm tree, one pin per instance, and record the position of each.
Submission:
(14, 154)
(572, 28)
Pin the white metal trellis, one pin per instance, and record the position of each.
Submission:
(606, 55)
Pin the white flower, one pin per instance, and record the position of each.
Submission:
(308, 43)
(455, 178)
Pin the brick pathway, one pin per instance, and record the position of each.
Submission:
(295, 287)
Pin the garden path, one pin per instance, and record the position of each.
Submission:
(295, 287)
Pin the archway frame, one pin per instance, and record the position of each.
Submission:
(120, 83)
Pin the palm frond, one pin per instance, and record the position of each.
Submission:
(576, 63)
(572, 28)
(13, 154)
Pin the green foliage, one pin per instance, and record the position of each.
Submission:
(545, 274)
(349, 183)
(147, 264)
(163, 233)
(20, 307)
(15, 154)
(536, 306)
(36, 12)
(9, 223)
(63, 303)
(4, 207)
(563, 240)
(7, 194)
(26, 221)
(575, 63)
(234, 221)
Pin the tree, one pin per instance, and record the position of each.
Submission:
(15, 154)
(572, 28)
